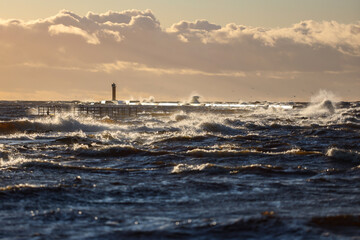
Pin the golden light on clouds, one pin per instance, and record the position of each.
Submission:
(69, 56)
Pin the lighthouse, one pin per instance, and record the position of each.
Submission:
(113, 91)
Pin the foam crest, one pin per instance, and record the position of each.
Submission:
(343, 155)
(246, 169)
(195, 124)
(67, 123)
(235, 153)
(180, 168)
(216, 153)
(20, 186)
(12, 161)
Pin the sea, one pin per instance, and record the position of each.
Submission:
(255, 173)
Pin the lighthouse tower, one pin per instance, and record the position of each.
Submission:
(113, 92)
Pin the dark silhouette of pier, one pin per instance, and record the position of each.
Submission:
(98, 111)
(118, 109)
(95, 111)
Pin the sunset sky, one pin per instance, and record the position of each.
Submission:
(227, 50)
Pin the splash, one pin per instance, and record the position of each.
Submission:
(322, 104)
(192, 99)
(32, 111)
(195, 99)
(151, 99)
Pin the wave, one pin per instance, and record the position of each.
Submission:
(342, 154)
(236, 124)
(254, 227)
(116, 151)
(184, 139)
(213, 127)
(217, 153)
(233, 153)
(19, 187)
(11, 160)
(58, 124)
(261, 169)
(181, 168)
(179, 117)
(75, 140)
(50, 165)
(37, 164)
(23, 191)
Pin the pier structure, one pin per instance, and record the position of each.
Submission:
(136, 108)
(123, 109)
(113, 111)
(131, 109)
(53, 109)
(89, 110)
(101, 111)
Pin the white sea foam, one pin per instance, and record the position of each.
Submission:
(32, 111)
(189, 167)
(12, 161)
(342, 154)
(221, 152)
(65, 123)
(215, 153)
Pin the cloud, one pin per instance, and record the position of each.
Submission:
(133, 66)
(134, 42)
(136, 36)
(60, 28)
(185, 26)
(119, 17)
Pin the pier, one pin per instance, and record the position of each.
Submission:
(87, 110)
(116, 112)
(124, 109)
(100, 111)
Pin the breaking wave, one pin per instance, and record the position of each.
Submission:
(261, 169)
(343, 154)
(58, 124)
(234, 153)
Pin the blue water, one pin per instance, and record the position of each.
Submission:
(267, 173)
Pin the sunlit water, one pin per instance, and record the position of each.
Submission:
(258, 173)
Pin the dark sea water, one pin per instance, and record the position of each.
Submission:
(258, 173)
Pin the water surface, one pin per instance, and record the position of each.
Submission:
(267, 173)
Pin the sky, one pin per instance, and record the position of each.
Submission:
(231, 50)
